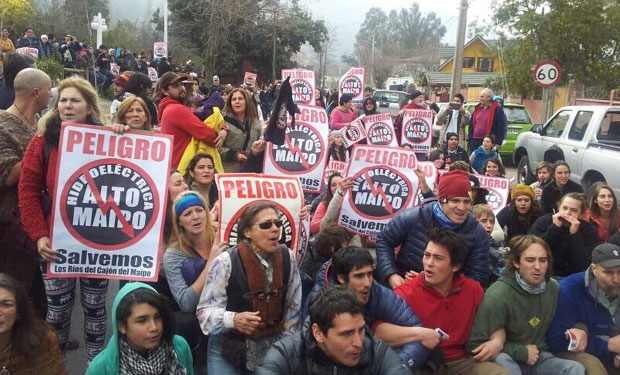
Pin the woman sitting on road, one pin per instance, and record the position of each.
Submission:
(493, 167)
(518, 217)
(604, 211)
(559, 187)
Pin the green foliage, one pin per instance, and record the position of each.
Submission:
(582, 36)
(52, 67)
(130, 35)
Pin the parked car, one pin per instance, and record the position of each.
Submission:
(388, 99)
(586, 137)
(518, 120)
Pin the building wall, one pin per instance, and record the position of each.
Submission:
(475, 49)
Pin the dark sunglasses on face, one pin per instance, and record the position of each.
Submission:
(268, 224)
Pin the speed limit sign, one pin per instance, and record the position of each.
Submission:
(547, 73)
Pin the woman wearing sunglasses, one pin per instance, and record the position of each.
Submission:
(252, 295)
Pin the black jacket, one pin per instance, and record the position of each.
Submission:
(299, 354)
(507, 218)
(552, 194)
(458, 154)
(572, 253)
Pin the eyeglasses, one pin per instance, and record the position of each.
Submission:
(268, 224)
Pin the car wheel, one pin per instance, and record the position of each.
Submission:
(524, 174)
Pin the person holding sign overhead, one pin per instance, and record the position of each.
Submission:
(77, 102)
(252, 296)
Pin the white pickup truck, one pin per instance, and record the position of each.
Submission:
(586, 137)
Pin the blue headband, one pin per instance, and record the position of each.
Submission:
(187, 201)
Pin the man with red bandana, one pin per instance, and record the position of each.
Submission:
(408, 230)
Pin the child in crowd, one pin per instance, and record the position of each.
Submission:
(486, 218)
(482, 153)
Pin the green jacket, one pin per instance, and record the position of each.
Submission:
(106, 362)
(526, 317)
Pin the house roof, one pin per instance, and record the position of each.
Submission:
(477, 37)
(468, 79)
(446, 51)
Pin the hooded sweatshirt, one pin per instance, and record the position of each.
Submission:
(106, 362)
(526, 317)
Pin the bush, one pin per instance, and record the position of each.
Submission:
(53, 69)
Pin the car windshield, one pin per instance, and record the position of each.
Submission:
(517, 115)
(390, 97)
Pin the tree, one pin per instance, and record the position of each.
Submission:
(582, 36)
(14, 11)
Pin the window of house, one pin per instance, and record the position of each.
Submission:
(468, 62)
(485, 64)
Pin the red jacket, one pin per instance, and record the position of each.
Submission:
(454, 314)
(177, 119)
(31, 186)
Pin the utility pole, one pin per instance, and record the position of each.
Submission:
(165, 21)
(457, 70)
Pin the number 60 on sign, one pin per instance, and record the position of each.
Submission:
(547, 73)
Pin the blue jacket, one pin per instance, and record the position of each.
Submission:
(408, 230)
(383, 304)
(578, 309)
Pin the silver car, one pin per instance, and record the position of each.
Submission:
(389, 99)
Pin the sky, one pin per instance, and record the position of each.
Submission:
(348, 15)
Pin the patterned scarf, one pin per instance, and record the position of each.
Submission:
(531, 289)
(161, 360)
(441, 217)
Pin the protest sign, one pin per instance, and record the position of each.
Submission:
(353, 83)
(431, 177)
(239, 190)
(28, 51)
(160, 49)
(304, 152)
(383, 184)
(354, 132)
(302, 84)
(304, 240)
(334, 166)
(152, 74)
(380, 130)
(109, 203)
(417, 129)
(498, 188)
(249, 79)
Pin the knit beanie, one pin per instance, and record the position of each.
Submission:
(454, 184)
(522, 190)
(415, 94)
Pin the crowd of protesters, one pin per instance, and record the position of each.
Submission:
(446, 287)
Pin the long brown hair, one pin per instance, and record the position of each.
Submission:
(29, 330)
(518, 244)
(250, 115)
(179, 239)
(596, 210)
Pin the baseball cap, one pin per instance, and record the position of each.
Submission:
(607, 255)
(121, 79)
(216, 78)
(169, 78)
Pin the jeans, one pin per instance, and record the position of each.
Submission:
(218, 365)
(547, 364)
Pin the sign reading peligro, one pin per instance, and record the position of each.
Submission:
(109, 203)
(383, 184)
(302, 84)
(304, 152)
(239, 190)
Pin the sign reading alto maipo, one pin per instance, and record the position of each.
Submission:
(498, 188)
(302, 84)
(109, 205)
(380, 130)
(383, 184)
(353, 83)
(430, 175)
(354, 132)
(304, 152)
(417, 129)
(239, 190)
(160, 49)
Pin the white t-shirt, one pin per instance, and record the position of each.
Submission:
(454, 121)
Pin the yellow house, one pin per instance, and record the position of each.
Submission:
(479, 56)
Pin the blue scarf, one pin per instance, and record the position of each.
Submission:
(531, 289)
(441, 217)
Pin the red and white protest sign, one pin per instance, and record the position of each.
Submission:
(302, 84)
(380, 130)
(249, 79)
(354, 132)
(353, 83)
(109, 207)
(383, 184)
(304, 240)
(498, 188)
(160, 49)
(417, 129)
(28, 51)
(239, 190)
(334, 166)
(304, 152)
(152, 74)
(115, 69)
(430, 175)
